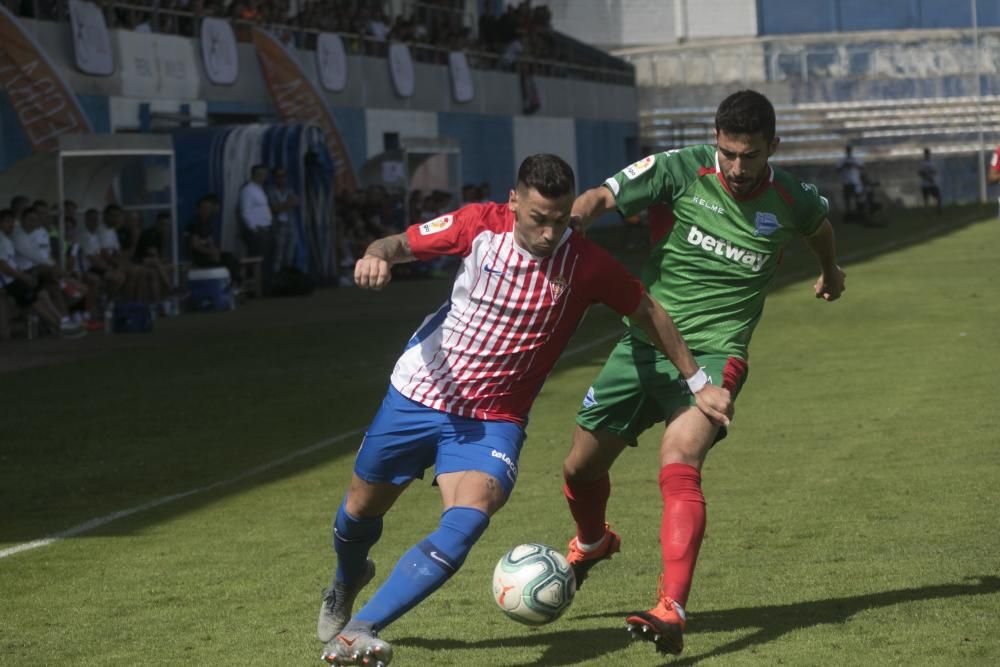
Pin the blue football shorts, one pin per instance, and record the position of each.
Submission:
(406, 438)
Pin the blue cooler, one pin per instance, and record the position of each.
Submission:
(210, 289)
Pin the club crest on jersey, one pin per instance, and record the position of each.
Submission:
(765, 224)
(557, 286)
(634, 170)
(436, 225)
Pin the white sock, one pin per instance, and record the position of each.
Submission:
(586, 548)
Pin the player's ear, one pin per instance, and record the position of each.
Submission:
(773, 147)
(512, 201)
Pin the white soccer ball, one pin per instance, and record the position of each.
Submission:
(533, 584)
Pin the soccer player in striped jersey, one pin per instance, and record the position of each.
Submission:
(461, 391)
(732, 215)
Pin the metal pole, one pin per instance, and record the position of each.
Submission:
(175, 227)
(62, 214)
(979, 115)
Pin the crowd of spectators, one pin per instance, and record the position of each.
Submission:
(521, 32)
(62, 279)
(366, 215)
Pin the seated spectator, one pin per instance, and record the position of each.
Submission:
(201, 246)
(92, 261)
(24, 287)
(153, 252)
(109, 236)
(284, 202)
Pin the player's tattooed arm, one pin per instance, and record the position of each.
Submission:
(394, 249)
(374, 270)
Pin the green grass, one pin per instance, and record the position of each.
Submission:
(852, 510)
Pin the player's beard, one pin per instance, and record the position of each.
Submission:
(744, 186)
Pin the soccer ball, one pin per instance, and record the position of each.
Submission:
(533, 584)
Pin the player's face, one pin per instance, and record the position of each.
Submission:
(743, 159)
(539, 222)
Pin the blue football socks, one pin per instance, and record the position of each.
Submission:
(425, 567)
(353, 537)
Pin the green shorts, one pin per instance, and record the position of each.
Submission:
(639, 387)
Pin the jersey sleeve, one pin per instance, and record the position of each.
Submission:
(811, 209)
(449, 234)
(640, 184)
(995, 160)
(610, 283)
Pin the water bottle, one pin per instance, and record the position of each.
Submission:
(32, 322)
(109, 316)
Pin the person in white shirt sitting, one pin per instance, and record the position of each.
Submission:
(24, 287)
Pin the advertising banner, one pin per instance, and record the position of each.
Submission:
(91, 43)
(44, 104)
(218, 51)
(297, 100)
(331, 61)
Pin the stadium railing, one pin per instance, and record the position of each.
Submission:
(168, 20)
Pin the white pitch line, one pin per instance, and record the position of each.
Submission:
(87, 526)
(264, 467)
(114, 516)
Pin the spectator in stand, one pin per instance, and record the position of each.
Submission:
(108, 235)
(93, 262)
(255, 218)
(414, 207)
(152, 251)
(851, 172)
(22, 287)
(202, 249)
(283, 203)
(929, 180)
(128, 233)
(32, 257)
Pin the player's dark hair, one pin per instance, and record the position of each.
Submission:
(746, 112)
(548, 174)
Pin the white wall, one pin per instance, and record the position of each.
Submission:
(534, 134)
(405, 123)
(624, 23)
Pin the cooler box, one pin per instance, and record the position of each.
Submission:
(131, 317)
(209, 289)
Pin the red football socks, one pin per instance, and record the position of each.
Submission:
(588, 502)
(682, 529)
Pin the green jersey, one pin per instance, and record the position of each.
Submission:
(712, 270)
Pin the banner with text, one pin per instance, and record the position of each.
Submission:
(299, 101)
(44, 104)
(91, 44)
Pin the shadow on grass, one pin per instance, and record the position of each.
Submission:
(565, 647)
(773, 622)
(99, 476)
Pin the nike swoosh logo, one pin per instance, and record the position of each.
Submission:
(494, 271)
(349, 642)
(441, 560)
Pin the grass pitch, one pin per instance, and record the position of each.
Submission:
(852, 510)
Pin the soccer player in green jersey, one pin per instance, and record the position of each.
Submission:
(733, 214)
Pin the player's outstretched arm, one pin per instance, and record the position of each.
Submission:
(715, 402)
(590, 205)
(993, 176)
(374, 270)
(831, 283)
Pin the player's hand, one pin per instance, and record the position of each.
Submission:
(372, 272)
(829, 288)
(716, 404)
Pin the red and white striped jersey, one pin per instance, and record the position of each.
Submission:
(486, 352)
